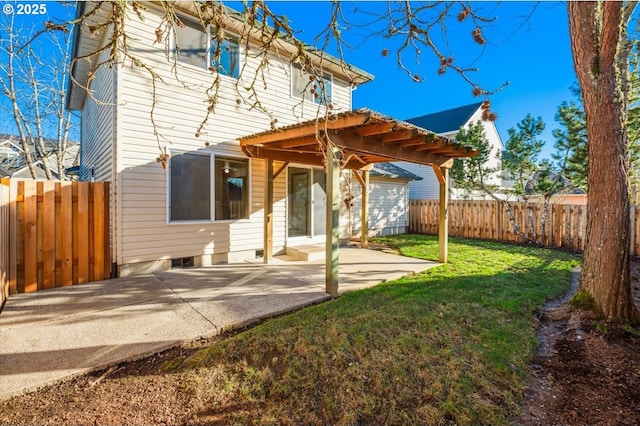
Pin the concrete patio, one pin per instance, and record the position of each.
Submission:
(53, 335)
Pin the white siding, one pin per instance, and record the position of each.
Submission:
(388, 208)
(179, 110)
(425, 189)
(97, 128)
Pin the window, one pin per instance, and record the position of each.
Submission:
(205, 50)
(191, 45)
(304, 86)
(190, 187)
(191, 196)
(232, 191)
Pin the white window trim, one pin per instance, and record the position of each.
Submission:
(326, 75)
(212, 189)
(174, 61)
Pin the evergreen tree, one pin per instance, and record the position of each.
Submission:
(571, 144)
(472, 173)
(523, 148)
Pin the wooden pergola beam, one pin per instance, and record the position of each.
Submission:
(374, 129)
(294, 143)
(314, 159)
(309, 129)
(419, 140)
(430, 146)
(448, 149)
(396, 135)
(281, 169)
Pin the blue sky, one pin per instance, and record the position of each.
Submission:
(530, 50)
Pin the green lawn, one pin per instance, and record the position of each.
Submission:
(449, 346)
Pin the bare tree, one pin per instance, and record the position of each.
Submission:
(34, 87)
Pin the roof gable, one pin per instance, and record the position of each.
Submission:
(450, 120)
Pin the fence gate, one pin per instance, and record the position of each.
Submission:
(53, 234)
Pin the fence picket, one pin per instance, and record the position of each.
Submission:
(66, 238)
(98, 234)
(81, 232)
(48, 234)
(30, 245)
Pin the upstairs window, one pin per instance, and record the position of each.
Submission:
(305, 86)
(203, 49)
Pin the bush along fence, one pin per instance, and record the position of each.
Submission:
(53, 234)
(565, 225)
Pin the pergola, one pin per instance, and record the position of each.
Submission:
(351, 140)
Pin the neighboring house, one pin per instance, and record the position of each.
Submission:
(448, 123)
(208, 206)
(14, 165)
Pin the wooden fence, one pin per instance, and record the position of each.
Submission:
(56, 234)
(565, 225)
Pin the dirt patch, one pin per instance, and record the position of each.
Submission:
(586, 373)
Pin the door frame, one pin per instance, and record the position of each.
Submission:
(311, 238)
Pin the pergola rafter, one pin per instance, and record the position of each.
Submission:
(352, 140)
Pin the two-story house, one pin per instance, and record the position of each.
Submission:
(207, 204)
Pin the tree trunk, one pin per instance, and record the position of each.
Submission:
(598, 40)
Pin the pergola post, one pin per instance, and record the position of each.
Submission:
(442, 173)
(333, 220)
(268, 211)
(364, 238)
(364, 184)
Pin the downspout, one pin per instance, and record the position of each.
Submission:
(117, 184)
